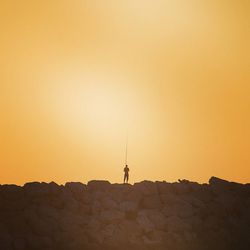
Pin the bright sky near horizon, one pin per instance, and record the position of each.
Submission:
(77, 75)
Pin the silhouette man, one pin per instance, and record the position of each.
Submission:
(126, 175)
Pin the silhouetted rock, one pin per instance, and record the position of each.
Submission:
(75, 187)
(152, 202)
(220, 183)
(98, 185)
(111, 216)
(146, 187)
(37, 189)
(129, 206)
(148, 215)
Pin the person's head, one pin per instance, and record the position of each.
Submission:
(126, 165)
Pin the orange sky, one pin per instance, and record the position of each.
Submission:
(76, 75)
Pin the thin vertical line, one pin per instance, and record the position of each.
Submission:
(126, 152)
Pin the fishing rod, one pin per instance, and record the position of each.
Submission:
(126, 151)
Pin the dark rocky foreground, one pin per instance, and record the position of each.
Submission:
(146, 215)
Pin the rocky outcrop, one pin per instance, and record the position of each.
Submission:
(147, 215)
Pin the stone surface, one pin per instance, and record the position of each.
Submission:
(111, 216)
(183, 215)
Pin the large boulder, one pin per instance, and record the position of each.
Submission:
(48, 211)
(132, 195)
(177, 225)
(181, 209)
(111, 216)
(11, 191)
(144, 222)
(157, 218)
(152, 202)
(220, 183)
(170, 198)
(76, 187)
(108, 203)
(39, 242)
(131, 228)
(164, 187)
(128, 206)
(6, 242)
(36, 189)
(181, 188)
(95, 185)
(146, 187)
(20, 243)
(155, 237)
(54, 188)
(117, 240)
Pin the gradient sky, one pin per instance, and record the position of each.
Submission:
(77, 75)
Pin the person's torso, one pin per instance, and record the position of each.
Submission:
(126, 170)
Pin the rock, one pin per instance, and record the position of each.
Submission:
(10, 191)
(69, 202)
(158, 219)
(19, 244)
(5, 242)
(44, 227)
(84, 209)
(128, 206)
(164, 187)
(220, 183)
(146, 188)
(204, 194)
(69, 219)
(145, 224)
(156, 236)
(36, 189)
(181, 188)
(96, 207)
(3, 228)
(56, 202)
(176, 225)
(152, 202)
(169, 199)
(76, 187)
(189, 236)
(145, 216)
(108, 203)
(108, 230)
(217, 181)
(131, 229)
(48, 211)
(133, 195)
(111, 216)
(193, 201)
(95, 237)
(17, 224)
(169, 211)
(118, 239)
(39, 242)
(183, 210)
(116, 194)
(54, 188)
(98, 185)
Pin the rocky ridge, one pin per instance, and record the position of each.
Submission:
(146, 215)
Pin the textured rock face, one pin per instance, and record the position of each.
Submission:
(146, 215)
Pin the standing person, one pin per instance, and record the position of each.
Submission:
(126, 175)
